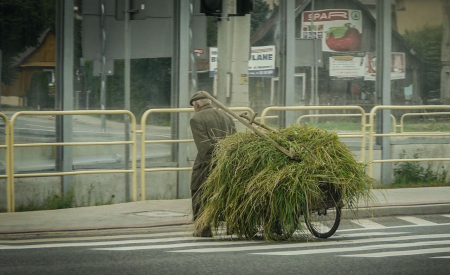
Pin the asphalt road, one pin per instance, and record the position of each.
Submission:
(392, 245)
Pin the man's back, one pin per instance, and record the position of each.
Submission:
(209, 125)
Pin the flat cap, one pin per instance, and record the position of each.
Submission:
(197, 96)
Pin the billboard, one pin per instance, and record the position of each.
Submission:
(340, 30)
(260, 64)
(362, 65)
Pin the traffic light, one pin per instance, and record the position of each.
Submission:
(244, 7)
(211, 7)
(214, 7)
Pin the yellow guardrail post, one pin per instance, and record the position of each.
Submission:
(133, 141)
(372, 133)
(144, 142)
(305, 108)
(9, 193)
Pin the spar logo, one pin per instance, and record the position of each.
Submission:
(327, 15)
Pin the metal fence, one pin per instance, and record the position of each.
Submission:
(373, 134)
(10, 144)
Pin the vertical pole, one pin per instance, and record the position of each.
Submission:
(287, 57)
(223, 53)
(313, 68)
(182, 88)
(1, 60)
(383, 83)
(104, 70)
(240, 51)
(64, 86)
(127, 96)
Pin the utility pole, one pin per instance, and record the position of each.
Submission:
(383, 82)
(64, 87)
(233, 53)
(445, 53)
(287, 57)
(127, 84)
(223, 57)
(1, 60)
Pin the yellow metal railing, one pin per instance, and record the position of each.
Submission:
(10, 145)
(394, 121)
(9, 186)
(418, 114)
(144, 117)
(132, 142)
(306, 108)
(372, 134)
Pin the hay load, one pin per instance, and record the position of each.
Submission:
(256, 190)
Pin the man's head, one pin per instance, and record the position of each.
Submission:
(199, 99)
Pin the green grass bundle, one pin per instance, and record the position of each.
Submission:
(254, 188)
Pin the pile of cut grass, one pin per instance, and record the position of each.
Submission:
(254, 188)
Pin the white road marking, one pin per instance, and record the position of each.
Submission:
(392, 227)
(359, 248)
(312, 244)
(321, 226)
(186, 233)
(448, 216)
(168, 246)
(402, 253)
(180, 245)
(417, 221)
(443, 257)
(368, 224)
(367, 234)
(6, 247)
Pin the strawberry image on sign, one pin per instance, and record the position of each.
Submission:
(343, 39)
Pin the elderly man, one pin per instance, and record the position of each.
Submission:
(207, 125)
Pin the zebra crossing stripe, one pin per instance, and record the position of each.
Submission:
(442, 257)
(359, 248)
(415, 220)
(368, 224)
(448, 216)
(169, 246)
(310, 244)
(402, 253)
(223, 243)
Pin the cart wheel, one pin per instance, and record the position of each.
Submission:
(323, 222)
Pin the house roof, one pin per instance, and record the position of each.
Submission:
(30, 50)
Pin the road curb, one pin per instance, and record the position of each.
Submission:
(50, 230)
(397, 210)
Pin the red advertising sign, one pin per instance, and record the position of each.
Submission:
(340, 30)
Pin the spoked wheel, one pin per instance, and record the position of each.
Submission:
(323, 222)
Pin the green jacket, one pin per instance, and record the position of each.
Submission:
(208, 125)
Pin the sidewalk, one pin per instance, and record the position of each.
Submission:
(405, 201)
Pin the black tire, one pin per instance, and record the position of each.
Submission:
(323, 222)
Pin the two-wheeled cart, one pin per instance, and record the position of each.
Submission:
(323, 216)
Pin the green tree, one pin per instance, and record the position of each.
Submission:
(428, 42)
(21, 24)
(260, 13)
